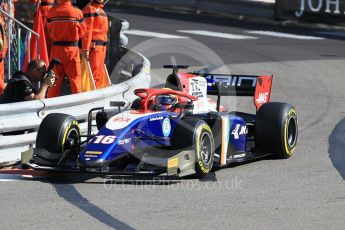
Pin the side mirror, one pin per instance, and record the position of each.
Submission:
(118, 104)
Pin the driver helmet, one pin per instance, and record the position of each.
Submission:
(167, 100)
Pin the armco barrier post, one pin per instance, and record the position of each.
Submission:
(114, 50)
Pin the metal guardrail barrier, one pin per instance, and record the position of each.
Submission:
(20, 121)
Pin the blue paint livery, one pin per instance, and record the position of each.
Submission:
(238, 140)
(126, 138)
(151, 125)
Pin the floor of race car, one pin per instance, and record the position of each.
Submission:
(15, 174)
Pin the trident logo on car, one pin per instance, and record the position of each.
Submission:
(239, 131)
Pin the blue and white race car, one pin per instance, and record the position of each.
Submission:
(177, 130)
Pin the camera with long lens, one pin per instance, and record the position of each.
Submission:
(50, 73)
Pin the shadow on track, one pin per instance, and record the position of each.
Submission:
(65, 189)
(72, 196)
(336, 148)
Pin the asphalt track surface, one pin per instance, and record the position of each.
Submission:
(306, 191)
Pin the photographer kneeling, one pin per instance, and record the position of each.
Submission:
(20, 87)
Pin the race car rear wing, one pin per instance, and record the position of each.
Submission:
(230, 85)
(240, 85)
(259, 87)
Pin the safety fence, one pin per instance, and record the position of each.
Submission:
(13, 29)
(19, 121)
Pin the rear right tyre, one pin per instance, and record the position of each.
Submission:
(276, 129)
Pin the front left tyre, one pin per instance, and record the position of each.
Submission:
(57, 133)
(204, 150)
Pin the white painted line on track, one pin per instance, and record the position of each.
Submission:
(217, 34)
(7, 180)
(284, 35)
(12, 177)
(334, 33)
(152, 34)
